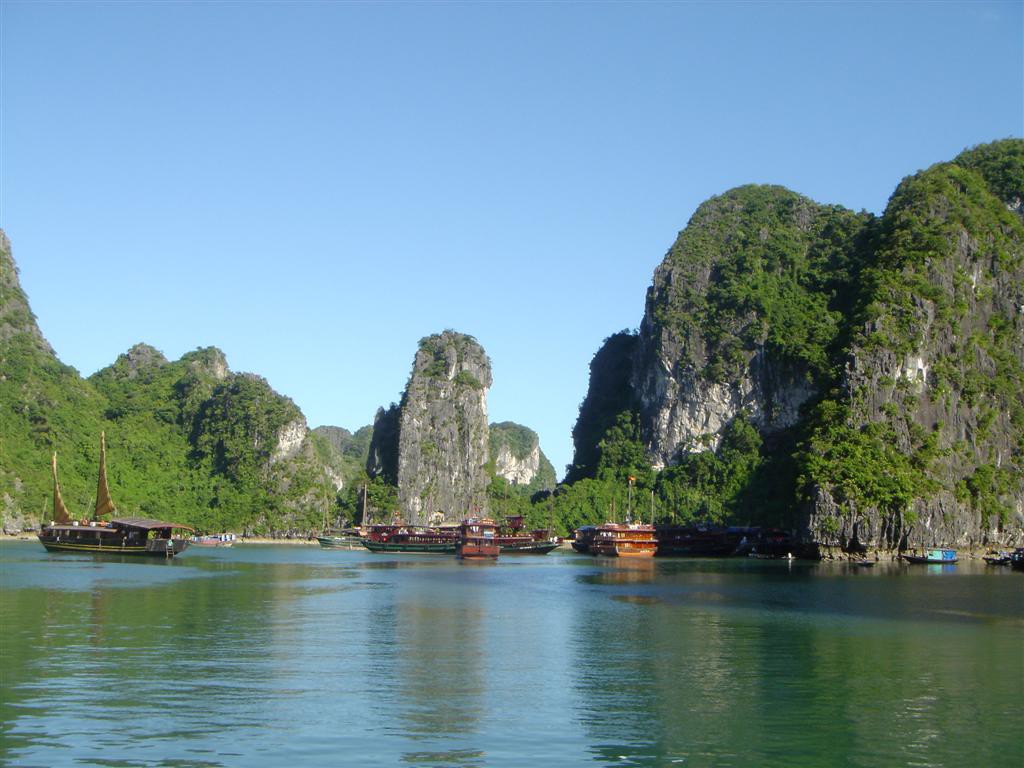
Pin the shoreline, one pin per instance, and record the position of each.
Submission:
(829, 555)
(240, 540)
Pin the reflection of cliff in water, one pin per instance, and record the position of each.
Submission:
(636, 700)
(425, 644)
(717, 668)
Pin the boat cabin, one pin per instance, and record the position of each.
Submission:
(478, 539)
(624, 540)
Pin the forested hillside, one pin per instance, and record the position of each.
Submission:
(187, 440)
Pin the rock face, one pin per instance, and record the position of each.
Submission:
(16, 316)
(290, 438)
(443, 448)
(436, 441)
(139, 358)
(938, 362)
(718, 335)
(517, 457)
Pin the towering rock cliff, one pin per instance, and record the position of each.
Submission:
(863, 373)
(932, 397)
(443, 439)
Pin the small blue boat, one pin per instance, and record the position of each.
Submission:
(1017, 559)
(938, 556)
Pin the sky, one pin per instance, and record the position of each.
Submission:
(313, 187)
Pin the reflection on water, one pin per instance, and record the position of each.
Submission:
(268, 656)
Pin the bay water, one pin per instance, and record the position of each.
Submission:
(296, 656)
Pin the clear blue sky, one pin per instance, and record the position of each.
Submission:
(313, 187)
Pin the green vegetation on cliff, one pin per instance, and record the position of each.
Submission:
(763, 267)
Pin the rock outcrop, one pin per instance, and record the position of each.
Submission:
(880, 361)
(16, 318)
(517, 458)
(734, 322)
(443, 440)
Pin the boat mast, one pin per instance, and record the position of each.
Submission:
(104, 504)
(364, 521)
(629, 501)
(60, 512)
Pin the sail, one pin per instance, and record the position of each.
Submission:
(104, 504)
(60, 512)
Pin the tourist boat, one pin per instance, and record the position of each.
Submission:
(997, 558)
(936, 556)
(213, 540)
(583, 538)
(1017, 559)
(696, 541)
(118, 536)
(410, 539)
(513, 541)
(349, 538)
(624, 540)
(478, 539)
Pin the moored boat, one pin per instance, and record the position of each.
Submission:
(933, 556)
(478, 539)
(583, 538)
(350, 538)
(624, 540)
(997, 558)
(120, 536)
(527, 547)
(514, 541)
(117, 536)
(1017, 559)
(398, 538)
(213, 540)
(695, 541)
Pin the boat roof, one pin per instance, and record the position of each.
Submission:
(141, 523)
(146, 523)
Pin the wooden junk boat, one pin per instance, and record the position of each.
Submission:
(410, 539)
(935, 556)
(624, 540)
(513, 540)
(478, 539)
(118, 536)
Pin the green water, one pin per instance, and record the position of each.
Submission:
(295, 656)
